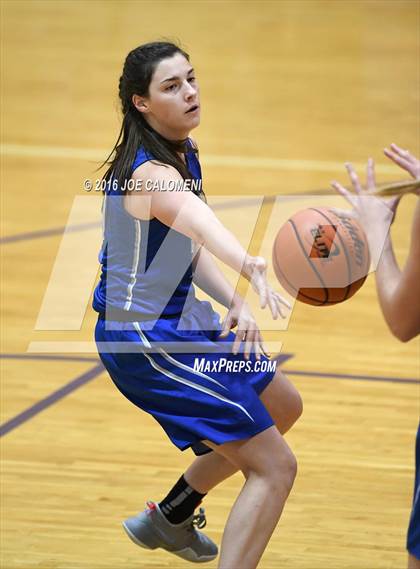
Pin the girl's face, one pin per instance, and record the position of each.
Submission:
(173, 105)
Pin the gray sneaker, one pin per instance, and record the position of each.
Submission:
(150, 529)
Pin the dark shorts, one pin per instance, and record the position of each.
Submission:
(413, 535)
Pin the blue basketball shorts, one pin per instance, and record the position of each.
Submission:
(191, 405)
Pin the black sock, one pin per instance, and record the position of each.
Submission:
(181, 502)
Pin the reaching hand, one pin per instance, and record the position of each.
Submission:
(256, 271)
(365, 206)
(240, 314)
(404, 159)
(374, 214)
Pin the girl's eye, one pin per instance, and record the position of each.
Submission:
(174, 85)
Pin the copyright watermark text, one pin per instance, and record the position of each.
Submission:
(132, 185)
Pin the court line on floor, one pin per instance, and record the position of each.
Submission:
(50, 399)
(28, 235)
(83, 379)
(48, 357)
(41, 233)
(280, 358)
(231, 161)
(209, 160)
(386, 379)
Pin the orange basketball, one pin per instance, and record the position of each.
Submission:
(321, 257)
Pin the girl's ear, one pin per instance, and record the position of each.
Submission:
(140, 103)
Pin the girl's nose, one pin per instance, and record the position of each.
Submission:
(190, 89)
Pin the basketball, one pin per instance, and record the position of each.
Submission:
(321, 257)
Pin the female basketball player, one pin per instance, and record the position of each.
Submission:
(157, 242)
(398, 291)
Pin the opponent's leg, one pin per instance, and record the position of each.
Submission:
(413, 562)
(270, 469)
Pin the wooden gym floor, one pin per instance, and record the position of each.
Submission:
(290, 90)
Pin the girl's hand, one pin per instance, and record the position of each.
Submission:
(374, 214)
(256, 271)
(404, 159)
(365, 206)
(240, 314)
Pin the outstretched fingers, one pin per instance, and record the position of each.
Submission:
(250, 341)
(370, 175)
(404, 159)
(273, 305)
(344, 192)
(354, 178)
(398, 158)
(227, 325)
(402, 152)
(281, 303)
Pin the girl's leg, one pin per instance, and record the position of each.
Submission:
(270, 469)
(282, 401)
(413, 562)
(207, 471)
(284, 404)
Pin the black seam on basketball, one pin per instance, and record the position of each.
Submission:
(275, 262)
(345, 252)
(310, 263)
(367, 267)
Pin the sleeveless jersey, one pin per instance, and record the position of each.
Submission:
(146, 265)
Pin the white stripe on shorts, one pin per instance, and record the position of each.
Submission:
(184, 381)
(176, 362)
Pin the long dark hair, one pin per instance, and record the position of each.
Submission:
(135, 132)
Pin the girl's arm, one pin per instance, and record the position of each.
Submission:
(188, 214)
(398, 291)
(210, 279)
(184, 212)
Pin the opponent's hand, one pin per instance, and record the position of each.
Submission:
(256, 271)
(240, 315)
(374, 214)
(404, 159)
(365, 206)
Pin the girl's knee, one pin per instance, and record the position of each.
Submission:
(293, 467)
(278, 466)
(296, 404)
(265, 456)
(280, 474)
(288, 466)
(291, 408)
(296, 401)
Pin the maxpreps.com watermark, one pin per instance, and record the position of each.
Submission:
(237, 366)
